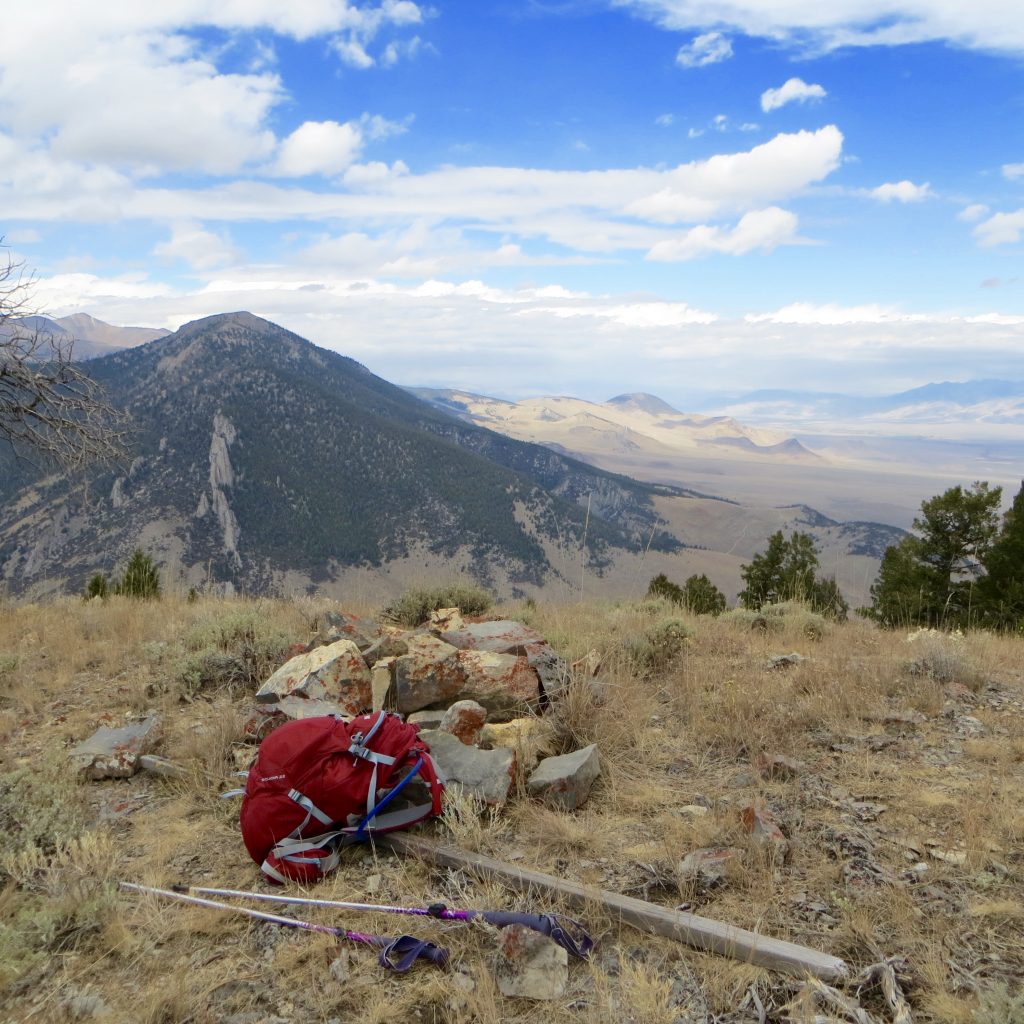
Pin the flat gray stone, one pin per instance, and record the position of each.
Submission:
(564, 782)
(114, 753)
(529, 965)
(485, 774)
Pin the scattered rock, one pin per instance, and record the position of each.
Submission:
(709, 866)
(764, 830)
(335, 673)
(114, 753)
(779, 661)
(465, 720)
(692, 811)
(777, 766)
(374, 884)
(969, 726)
(484, 774)
(564, 782)
(955, 857)
(85, 1006)
(529, 965)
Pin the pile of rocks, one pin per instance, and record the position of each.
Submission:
(478, 689)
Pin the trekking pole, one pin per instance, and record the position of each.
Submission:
(564, 931)
(397, 954)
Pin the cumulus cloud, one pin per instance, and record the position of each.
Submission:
(972, 213)
(198, 247)
(759, 229)
(319, 147)
(794, 90)
(708, 48)
(982, 25)
(1000, 229)
(134, 88)
(1013, 171)
(901, 191)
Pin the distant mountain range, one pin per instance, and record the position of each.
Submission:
(640, 424)
(258, 455)
(979, 401)
(91, 337)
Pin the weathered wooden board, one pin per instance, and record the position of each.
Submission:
(699, 932)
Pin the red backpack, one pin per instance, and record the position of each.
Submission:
(332, 777)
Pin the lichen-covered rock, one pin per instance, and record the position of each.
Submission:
(564, 782)
(504, 684)
(445, 620)
(114, 753)
(382, 675)
(505, 636)
(429, 673)
(465, 720)
(346, 626)
(335, 673)
(484, 774)
(764, 831)
(709, 867)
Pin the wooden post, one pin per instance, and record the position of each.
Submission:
(699, 932)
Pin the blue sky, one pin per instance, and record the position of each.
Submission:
(676, 196)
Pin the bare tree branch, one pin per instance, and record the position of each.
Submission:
(49, 405)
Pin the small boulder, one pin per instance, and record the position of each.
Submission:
(529, 965)
(505, 684)
(484, 774)
(465, 720)
(564, 782)
(382, 675)
(335, 673)
(429, 673)
(115, 753)
(390, 645)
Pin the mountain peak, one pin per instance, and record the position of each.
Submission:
(642, 401)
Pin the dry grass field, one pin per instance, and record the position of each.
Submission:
(905, 823)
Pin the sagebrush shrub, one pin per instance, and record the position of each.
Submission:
(414, 606)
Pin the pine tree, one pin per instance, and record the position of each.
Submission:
(141, 578)
(702, 597)
(1000, 594)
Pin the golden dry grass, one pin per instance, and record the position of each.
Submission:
(881, 791)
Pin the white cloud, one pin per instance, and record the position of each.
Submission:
(664, 120)
(569, 341)
(21, 236)
(982, 25)
(972, 213)
(901, 191)
(132, 87)
(794, 90)
(1013, 171)
(201, 249)
(319, 147)
(759, 229)
(353, 53)
(587, 212)
(708, 48)
(1000, 229)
